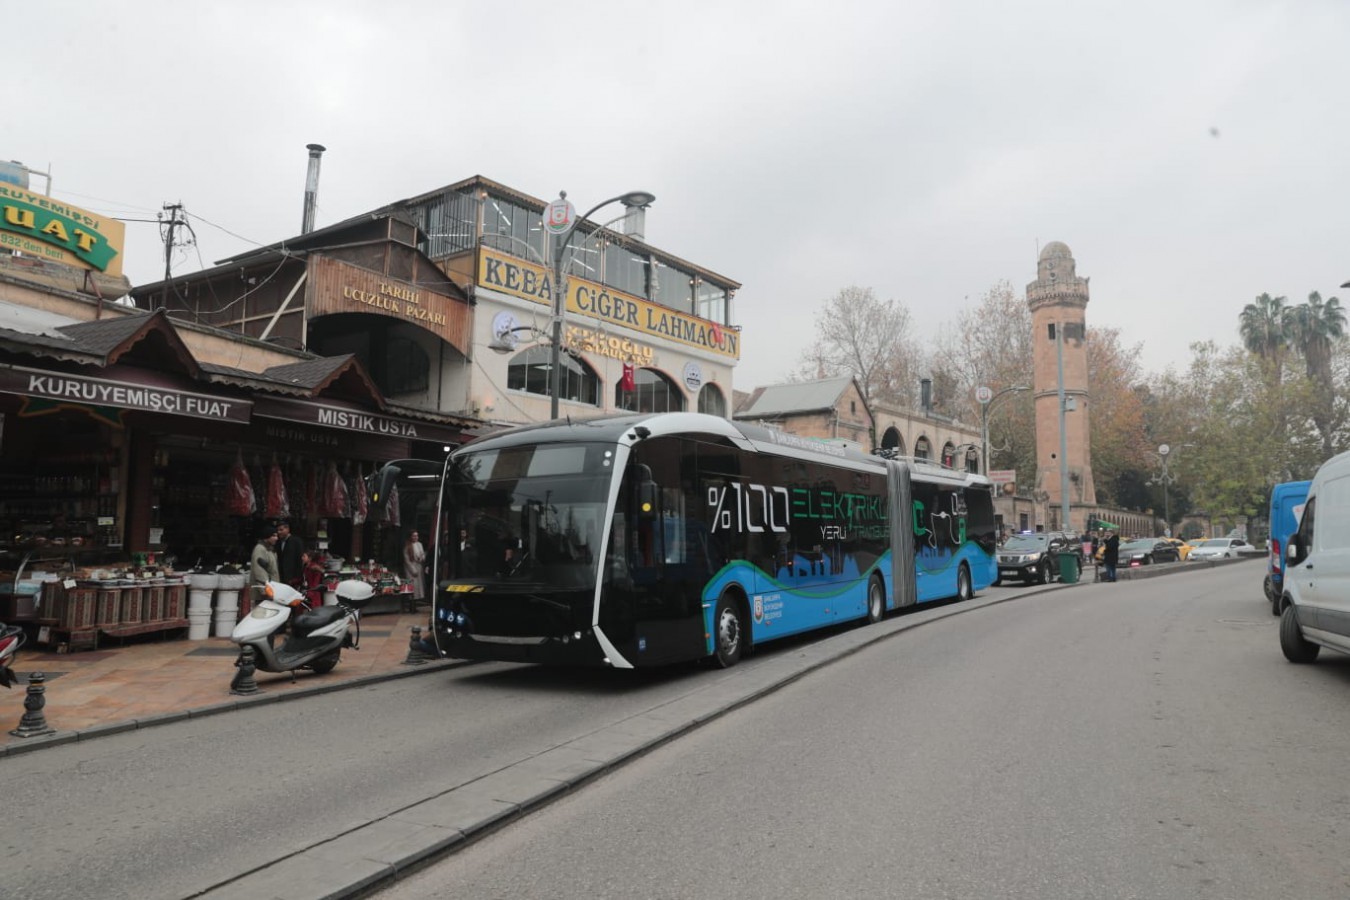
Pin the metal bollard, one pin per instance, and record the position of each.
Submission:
(417, 656)
(243, 683)
(34, 723)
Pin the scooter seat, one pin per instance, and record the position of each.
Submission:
(314, 619)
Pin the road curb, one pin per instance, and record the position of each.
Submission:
(197, 712)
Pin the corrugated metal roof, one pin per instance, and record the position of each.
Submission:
(27, 320)
(796, 397)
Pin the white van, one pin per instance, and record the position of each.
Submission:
(1315, 603)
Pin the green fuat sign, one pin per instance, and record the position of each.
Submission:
(65, 232)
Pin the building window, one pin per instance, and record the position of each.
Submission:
(512, 228)
(710, 302)
(674, 288)
(972, 461)
(712, 401)
(922, 449)
(529, 372)
(450, 222)
(625, 270)
(949, 455)
(655, 393)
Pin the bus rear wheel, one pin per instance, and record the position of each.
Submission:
(876, 600)
(728, 632)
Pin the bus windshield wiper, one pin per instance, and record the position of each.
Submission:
(535, 598)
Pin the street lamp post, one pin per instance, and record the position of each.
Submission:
(987, 399)
(640, 199)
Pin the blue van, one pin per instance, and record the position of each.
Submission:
(1286, 508)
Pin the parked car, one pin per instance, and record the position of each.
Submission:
(1034, 557)
(1183, 548)
(1286, 507)
(1223, 548)
(1315, 606)
(1147, 551)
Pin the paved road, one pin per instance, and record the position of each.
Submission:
(174, 810)
(1138, 740)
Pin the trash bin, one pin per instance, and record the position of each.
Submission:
(1068, 568)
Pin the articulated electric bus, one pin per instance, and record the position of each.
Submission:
(650, 539)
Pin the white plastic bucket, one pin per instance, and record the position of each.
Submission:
(225, 621)
(205, 581)
(199, 599)
(199, 624)
(232, 582)
(330, 598)
(227, 599)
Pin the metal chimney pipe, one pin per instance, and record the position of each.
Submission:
(635, 221)
(311, 187)
(926, 395)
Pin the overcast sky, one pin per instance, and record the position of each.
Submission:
(1191, 154)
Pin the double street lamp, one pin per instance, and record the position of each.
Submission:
(987, 399)
(1164, 478)
(561, 221)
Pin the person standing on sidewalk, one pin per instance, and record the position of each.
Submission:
(1111, 555)
(290, 568)
(414, 562)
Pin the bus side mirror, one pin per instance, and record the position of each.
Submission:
(379, 485)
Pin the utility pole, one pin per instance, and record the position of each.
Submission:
(167, 227)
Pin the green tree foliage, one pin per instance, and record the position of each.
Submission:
(1116, 413)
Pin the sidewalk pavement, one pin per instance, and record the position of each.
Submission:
(153, 681)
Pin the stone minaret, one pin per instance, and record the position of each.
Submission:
(1058, 299)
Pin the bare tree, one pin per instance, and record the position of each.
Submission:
(867, 338)
(990, 345)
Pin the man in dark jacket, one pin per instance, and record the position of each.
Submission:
(1111, 555)
(290, 568)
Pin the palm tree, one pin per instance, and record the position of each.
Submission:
(1264, 325)
(1313, 326)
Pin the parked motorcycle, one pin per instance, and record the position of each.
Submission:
(316, 637)
(11, 639)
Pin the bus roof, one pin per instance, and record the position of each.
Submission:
(757, 438)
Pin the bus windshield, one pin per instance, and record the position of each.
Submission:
(529, 515)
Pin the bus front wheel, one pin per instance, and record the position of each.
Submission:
(728, 632)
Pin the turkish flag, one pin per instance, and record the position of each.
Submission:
(629, 380)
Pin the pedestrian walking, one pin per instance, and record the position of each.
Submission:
(263, 563)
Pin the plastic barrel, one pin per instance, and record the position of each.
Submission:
(199, 624)
(1068, 568)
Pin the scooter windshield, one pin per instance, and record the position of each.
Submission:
(531, 515)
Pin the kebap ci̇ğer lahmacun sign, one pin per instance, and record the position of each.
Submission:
(45, 228)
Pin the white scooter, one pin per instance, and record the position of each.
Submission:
(317, 636)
